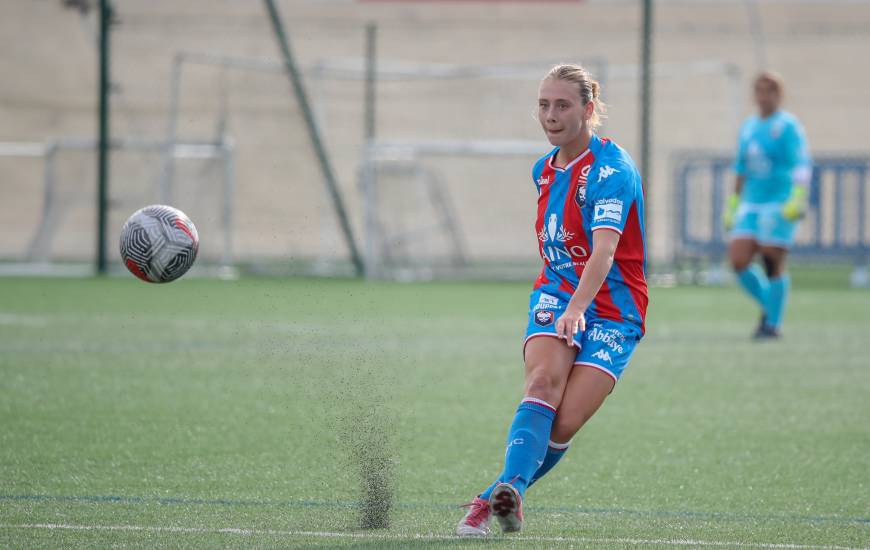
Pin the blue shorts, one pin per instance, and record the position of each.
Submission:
(765, 224)
(605, 345)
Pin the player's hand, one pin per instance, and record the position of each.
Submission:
(728, 214)
(796, 205)
(570, 324)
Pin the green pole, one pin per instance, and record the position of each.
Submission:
(646, 92)
(371, 76)
(103, 141)
(645, 113)
(314, 135)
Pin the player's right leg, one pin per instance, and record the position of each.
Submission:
(741, 250)
(548, 362)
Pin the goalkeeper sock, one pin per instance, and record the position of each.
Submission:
(776, 300)
(756, 284)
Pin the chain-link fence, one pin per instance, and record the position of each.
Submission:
(203, 117)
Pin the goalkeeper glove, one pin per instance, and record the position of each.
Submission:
(796, 205)
(730, 209)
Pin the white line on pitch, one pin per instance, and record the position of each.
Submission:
(389, 536)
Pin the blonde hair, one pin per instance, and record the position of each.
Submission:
(588, 89)
(772, 78)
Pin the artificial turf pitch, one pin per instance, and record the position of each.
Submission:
(210, 413)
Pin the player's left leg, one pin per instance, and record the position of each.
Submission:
(586, 391)
(776, 235)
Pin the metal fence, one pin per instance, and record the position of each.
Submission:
(834, 227)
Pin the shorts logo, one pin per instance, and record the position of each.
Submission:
(609, 210)
(547, 302)
(544, 318)
(603, 355)
(612, 338)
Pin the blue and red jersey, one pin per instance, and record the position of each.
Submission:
(599, 190)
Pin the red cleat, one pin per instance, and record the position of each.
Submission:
(506, 504)
(476, 520)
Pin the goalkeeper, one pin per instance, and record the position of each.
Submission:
(773, 169)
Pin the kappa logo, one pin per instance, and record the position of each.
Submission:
(605, 172)
(544, 318)
(603, 355)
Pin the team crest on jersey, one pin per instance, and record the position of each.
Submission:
(544, 318)
(580, 196)
(776, 129)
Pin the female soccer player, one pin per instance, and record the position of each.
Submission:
(586, 312)
(773, 169)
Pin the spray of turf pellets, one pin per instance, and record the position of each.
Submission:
(367, 430)
(373, 461)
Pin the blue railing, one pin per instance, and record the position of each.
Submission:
(835, 225)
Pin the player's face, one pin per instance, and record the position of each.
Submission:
(561, 111)
(766, 97)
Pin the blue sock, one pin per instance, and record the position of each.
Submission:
(555, 452)
(526, 444)
(776, 300)
(755, 282)
(488, 491)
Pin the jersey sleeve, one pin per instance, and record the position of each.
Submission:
(613, 194)
(797, 153)
(740, 156)
(537, 170)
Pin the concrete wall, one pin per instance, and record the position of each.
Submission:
(48, 76)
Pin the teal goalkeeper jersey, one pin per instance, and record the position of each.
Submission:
(769, 151)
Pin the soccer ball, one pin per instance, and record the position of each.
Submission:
(159, 243)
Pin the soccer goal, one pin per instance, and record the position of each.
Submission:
(51, 221)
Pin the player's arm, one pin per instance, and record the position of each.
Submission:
(573, 321)
(732, 201)
(738, 184)
(798, 157)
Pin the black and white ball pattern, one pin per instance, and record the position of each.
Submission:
(159, 243)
